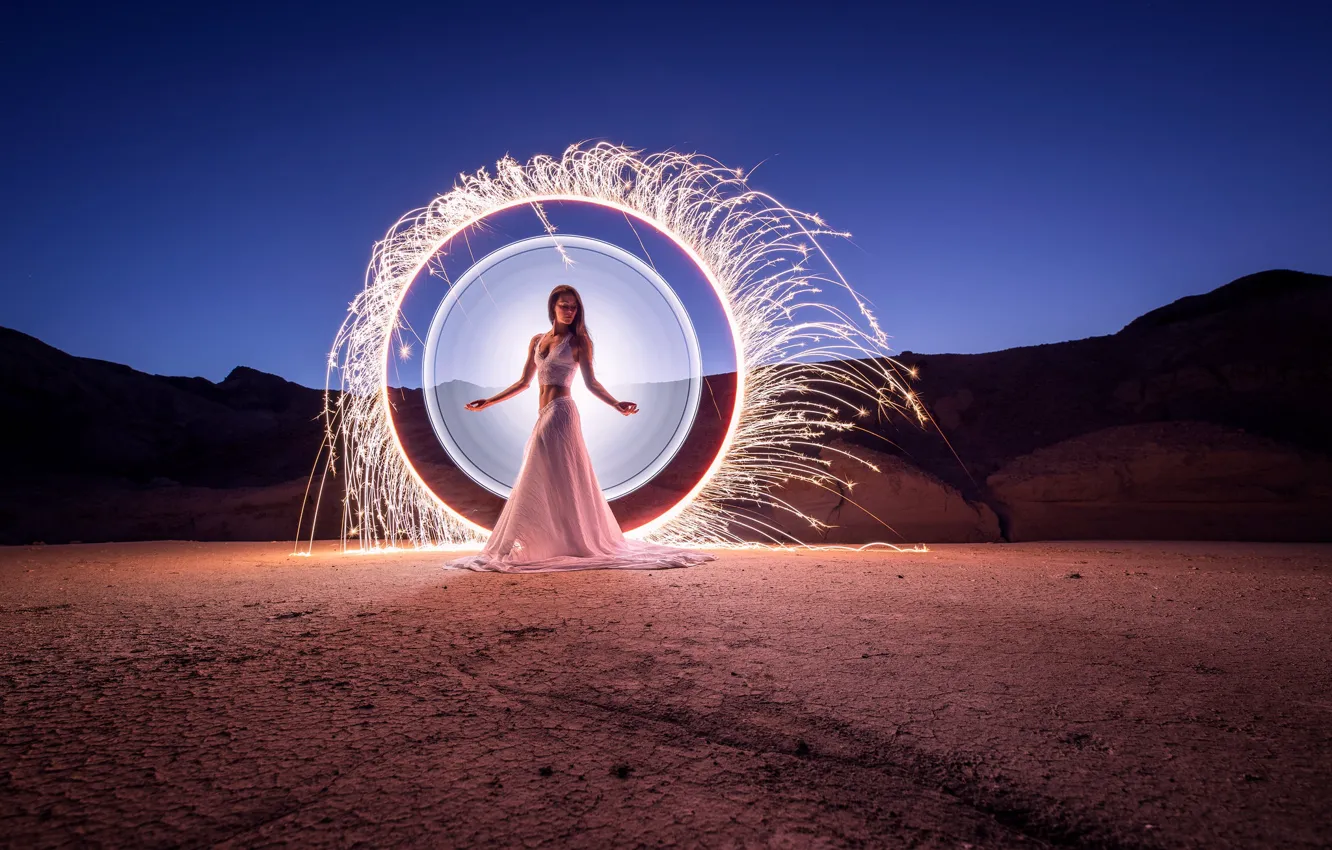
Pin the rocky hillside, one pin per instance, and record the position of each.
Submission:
(1218, 405)
(100, 451)
(1209, 418)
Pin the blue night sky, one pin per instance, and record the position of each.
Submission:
(198, 186)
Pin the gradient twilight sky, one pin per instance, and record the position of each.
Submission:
(192, 187)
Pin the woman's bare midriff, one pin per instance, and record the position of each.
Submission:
(550, 392)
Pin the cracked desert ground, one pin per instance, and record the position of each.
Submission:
(1088, 694)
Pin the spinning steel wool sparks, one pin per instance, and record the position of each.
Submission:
(767, 267)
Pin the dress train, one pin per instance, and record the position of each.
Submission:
(557, 519)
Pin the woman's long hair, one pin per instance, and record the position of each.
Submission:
(580, 340)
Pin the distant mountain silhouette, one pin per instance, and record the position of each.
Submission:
(1245, 364)
(86, 417)
(1210, 417)
(1256, 290)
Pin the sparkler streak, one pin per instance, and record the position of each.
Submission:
(766, 264)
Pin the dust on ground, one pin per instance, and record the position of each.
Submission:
(1089, 694)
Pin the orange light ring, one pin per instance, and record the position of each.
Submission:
(667, 515)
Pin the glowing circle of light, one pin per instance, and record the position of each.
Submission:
(627, 452)
(453, 519)
(798, 354)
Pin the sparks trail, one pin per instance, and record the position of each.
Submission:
(768, 269)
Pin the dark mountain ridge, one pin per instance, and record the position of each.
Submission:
(1251, 355)
(85, 417)
(104, 452)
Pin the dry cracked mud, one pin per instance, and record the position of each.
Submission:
(1035, 695)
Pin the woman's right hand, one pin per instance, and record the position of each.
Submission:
(479, 404)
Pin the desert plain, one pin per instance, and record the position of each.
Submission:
(1089, 694)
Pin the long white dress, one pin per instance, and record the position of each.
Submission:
(556, 517)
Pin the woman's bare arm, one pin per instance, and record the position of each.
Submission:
(594, 386)
(529, 369)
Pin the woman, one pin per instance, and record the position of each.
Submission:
(556, 517)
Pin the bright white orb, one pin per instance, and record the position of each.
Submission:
(646, 351)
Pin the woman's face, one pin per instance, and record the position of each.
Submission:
(566, 308)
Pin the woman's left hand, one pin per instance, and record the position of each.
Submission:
(626, 407)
